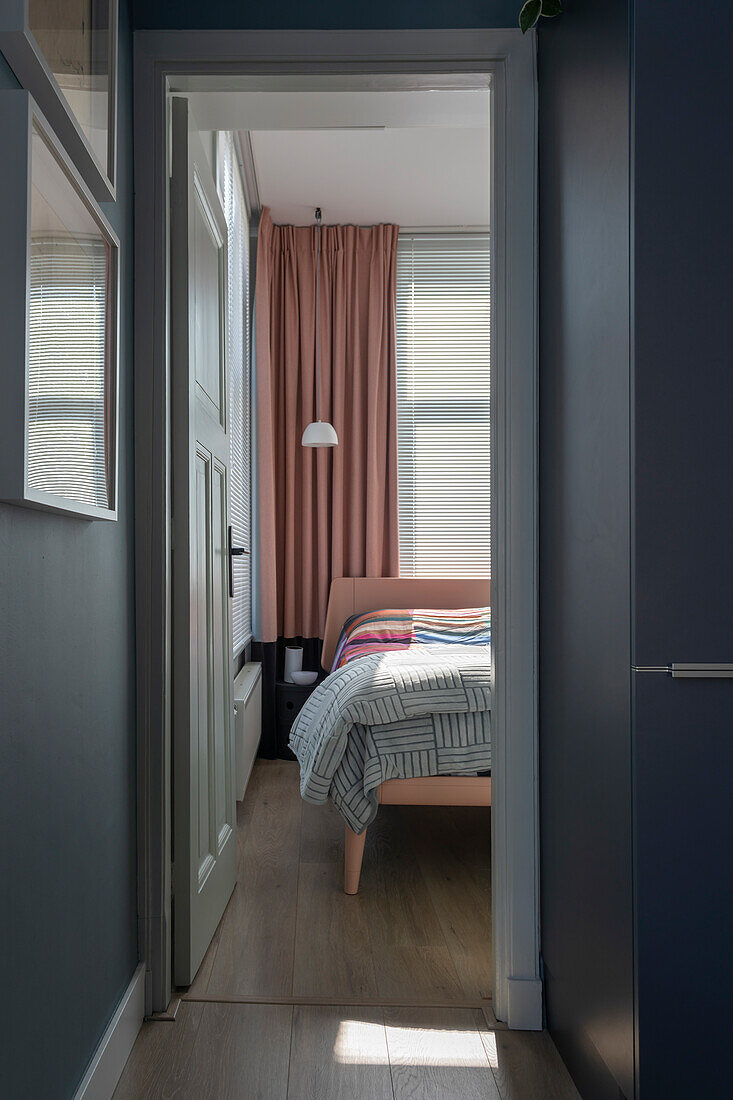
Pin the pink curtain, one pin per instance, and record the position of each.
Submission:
(328, 512)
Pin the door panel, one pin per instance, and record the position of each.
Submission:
(200, 659)
(222, 706)
(207, 285)
(204, 842)
(683, 334)
(684, 889)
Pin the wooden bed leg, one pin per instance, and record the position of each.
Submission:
(353, 854)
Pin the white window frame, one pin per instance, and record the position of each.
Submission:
(19, 119)
(167, 61)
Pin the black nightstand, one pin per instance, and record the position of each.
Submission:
(289, 700)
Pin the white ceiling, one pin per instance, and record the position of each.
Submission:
(417, 158)
(298, 110)
(413, 177)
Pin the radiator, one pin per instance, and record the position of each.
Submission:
(247, 722)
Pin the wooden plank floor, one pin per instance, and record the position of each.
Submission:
(306, 992)
(418, 930)
(223, 1051)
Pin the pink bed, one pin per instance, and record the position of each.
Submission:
(349, 596)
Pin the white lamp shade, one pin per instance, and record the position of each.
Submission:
(320, 434)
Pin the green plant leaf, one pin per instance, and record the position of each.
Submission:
(551, 8)
(529, 15)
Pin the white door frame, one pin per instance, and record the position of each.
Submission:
(173, 61)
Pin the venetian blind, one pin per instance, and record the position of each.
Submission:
(231, 193)
(443, 405)
(67, 414)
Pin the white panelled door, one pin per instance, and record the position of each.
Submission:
(204, 808)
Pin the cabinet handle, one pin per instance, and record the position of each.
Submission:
(699, 670)
(702, 671)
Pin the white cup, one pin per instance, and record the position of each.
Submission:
(293, 662)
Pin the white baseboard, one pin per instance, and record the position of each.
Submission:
(524, 1004)
(108, 1062)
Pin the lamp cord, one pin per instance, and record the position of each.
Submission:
(318, 319)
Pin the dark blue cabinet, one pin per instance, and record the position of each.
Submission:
(682, 539)
(636, 544)
(683, 734)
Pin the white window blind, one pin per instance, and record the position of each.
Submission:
(443, 405)
(67, 369)
(233, 202)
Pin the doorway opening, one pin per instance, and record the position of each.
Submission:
(415, 165)
(413, 854)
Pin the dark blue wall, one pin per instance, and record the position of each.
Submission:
(331, 14)
(635, 145)
(585, 584)
(683, 342)
(683, 533)
(67, 737)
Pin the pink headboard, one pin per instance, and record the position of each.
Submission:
(350, 595)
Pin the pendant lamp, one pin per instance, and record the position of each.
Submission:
(319, 433)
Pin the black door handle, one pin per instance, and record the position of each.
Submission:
(233, 552)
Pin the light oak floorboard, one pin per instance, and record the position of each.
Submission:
(427, 971)
(322, 838)
(159, 1063)
(224, 1050)
(241, 1052)
(257, 936)
(333, 949)
(410, 951)
(217, 1051)
(453, 852)
(527, 1066)
(417, 931)
(438, 1053)
(245, 808)
(339, 1053)
(393, 883)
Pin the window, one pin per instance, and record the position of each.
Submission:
(443, 405)
(76, 40)
(59, 394)
(66, 51)
(231, 192)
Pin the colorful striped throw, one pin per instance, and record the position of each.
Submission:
(379, 631)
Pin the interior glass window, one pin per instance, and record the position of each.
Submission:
(74, 38)
(69, 433)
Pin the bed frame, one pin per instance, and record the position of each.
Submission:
(350, 595)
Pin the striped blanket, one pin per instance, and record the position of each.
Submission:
(420, 711)
(379, 631)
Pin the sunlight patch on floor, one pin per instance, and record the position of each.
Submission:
(361, 1043)
(490, 1048)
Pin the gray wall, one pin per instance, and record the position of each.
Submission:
(67, 740)
(585, 584)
